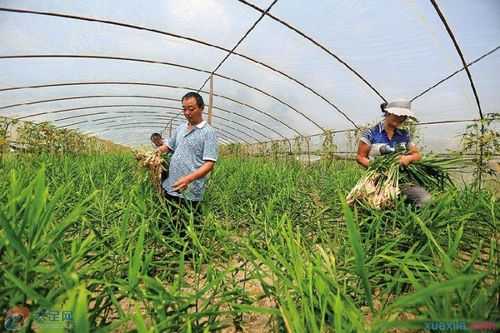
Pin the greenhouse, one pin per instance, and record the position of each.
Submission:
(249, 166)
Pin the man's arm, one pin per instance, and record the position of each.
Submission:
(182, 183)
(164, 149)
(169, 145)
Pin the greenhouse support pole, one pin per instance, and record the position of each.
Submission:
(308, 141)
(469, 75)
(210, 99)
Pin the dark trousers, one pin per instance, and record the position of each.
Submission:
(182, 211)
(164, 175)
(180, 203)
(417, 195)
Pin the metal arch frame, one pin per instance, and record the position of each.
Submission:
(95, 133)
(316, 43)
(438, 83)
(125, 25)
(220, 137)
(169, 119)
(469, 75)
(132, 114)
(137, 114)
(226, 133)
(221, 141)
(84, 56)
(153, 112)
(221, 134)
(437, 122)
(447, 27)
(143, 141)
(218, 47)
(149, 85)
(245, 35)
(460, 54)
(194, 40)
(140, 96)
(110, 106)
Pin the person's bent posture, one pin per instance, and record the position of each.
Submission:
(386, 137)
(157, 140)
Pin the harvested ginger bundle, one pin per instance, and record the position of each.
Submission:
(155, 164)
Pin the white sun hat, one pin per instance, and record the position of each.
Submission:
(400, 107)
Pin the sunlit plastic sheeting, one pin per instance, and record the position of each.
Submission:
(452, 100)
(345, 142)
(59, 69)
(400, 47)
(114, 115)
(237, 116)
(482, 29)
(222, 127)
(27, 34)
(27, 72)
(225, 116)
(316, 144)
(133, 137)
(269, 105)
(98, 116)
(77, 107)
(218, 22)
(88, 88)
(138, 135)
(263, 117)
(261, 3)
(132, 134)
(83, 113)
(486, 74)
(440, 138)
(285, 91)
(284, 50)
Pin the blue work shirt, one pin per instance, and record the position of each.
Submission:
(377, 135)
(191, 149)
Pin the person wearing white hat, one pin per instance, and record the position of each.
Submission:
(386, 137)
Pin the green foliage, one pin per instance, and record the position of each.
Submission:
(482, 140)
(45, 137)
(276, 250)
(328, 146)
(5, 124)
(431, 172)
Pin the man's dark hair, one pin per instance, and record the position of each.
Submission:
(199, 99)
(155, 135)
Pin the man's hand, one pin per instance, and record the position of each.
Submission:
(405, 160)
(182, 183)
(163, 149)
